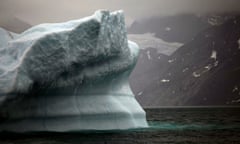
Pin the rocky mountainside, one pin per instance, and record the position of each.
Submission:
(179, 28)
(205, 71)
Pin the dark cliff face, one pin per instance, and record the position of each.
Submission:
(205, 71)
(179, 28)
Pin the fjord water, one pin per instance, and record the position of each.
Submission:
(171, 125)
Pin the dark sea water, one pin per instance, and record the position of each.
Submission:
(202, 125)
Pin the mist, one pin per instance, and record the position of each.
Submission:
(35, 11)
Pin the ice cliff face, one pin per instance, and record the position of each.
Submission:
(69, 76)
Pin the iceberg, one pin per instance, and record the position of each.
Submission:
(69, 76)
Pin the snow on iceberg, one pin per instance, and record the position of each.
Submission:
(70, 76)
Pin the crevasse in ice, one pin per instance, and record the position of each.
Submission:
(69, 76)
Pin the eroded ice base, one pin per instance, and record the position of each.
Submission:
(119, 118)
(105, 106)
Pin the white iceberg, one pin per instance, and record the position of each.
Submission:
(70, 76)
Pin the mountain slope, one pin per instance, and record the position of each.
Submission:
(179, 28)
(205, 71)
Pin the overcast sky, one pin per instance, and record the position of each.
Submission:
(39, 11)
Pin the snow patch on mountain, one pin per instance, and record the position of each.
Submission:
(214, 55)
(238, 44)
(148, 40)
